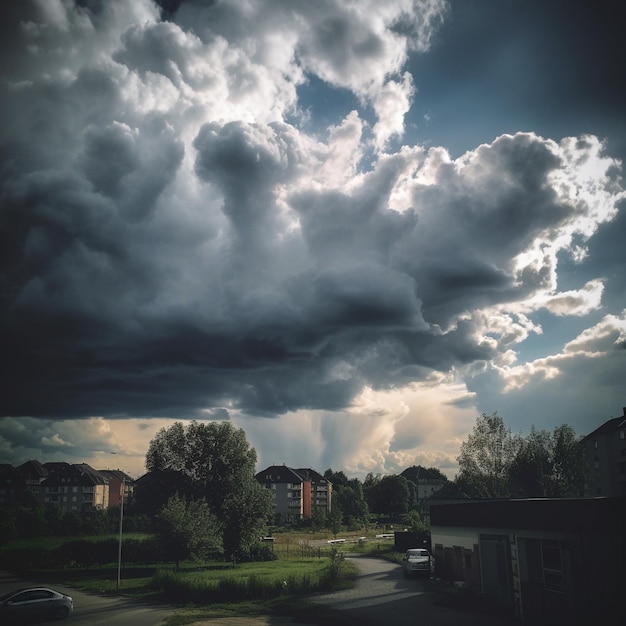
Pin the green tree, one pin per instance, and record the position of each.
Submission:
(334, 520)
(531, 470)
(318, 518)
(214, 463)
(388, 495)
(414, 523)
(568, 464)
(348, 495)
(245, 512)
(486, 457)
(187, 530)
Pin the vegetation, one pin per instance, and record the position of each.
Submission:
(187, 530)
(200, 514)
(212, 464)
(494, 463)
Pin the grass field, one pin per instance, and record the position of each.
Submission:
(276, 587)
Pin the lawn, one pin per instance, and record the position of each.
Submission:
(218, 589)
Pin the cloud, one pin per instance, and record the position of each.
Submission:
(177, 243)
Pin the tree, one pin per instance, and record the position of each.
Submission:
(568, 464)
(548, 465)
(334, 520)
(187, 530)
(245, 512)
(531, 470)
(349, 497)
(486, 457)
(414, 523)
(213, 462)
(389, 495)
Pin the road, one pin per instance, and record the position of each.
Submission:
(94, 610)
(383, 596)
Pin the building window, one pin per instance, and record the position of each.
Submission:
(595, 444)
(622, 434)
(552, 561)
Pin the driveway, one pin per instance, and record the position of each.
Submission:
(383, 596)
(380, 597)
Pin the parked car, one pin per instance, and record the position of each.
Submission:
(418, 561)
(25, 606)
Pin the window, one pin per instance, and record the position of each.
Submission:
(595, 444)
(622, 434)
(552, 562)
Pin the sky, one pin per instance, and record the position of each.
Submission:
(348, 227)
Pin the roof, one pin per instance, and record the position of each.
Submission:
(31, 469)
(609, 426)
(417, 472)
(119, 474)
(543, 514)
(279, 474)
(310, 474)
(85, 473)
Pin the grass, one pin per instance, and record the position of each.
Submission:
(274, 587)
(50, 543)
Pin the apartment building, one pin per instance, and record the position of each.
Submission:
(75, 487)
(120, 484)
(297, 492)
(605, 459)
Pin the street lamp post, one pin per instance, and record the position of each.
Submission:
(119, 548)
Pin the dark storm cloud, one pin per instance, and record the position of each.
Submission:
(168, 248)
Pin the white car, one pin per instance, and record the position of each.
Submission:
(418, 561)
(33, 605)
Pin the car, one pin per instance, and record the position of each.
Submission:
(418, 561)
(24, 606)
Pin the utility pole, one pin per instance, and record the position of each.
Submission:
(119, 549)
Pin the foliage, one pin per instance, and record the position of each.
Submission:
(82, 553)
(244, 513)
(387, 495)
(337, 560)
(187, 530)
(349, 497)
(494, 463)
(530, 472)
(568, 471)
(549, 465)
(214, 463)
(414, 523)
(334, 519)
(486, 457)
(248, 582)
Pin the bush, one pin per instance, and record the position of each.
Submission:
(260, 552)
(180, 588)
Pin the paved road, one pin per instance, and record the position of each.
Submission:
(94, 610)
(382, 596)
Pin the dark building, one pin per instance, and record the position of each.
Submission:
(546, 561)
(605, 459)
